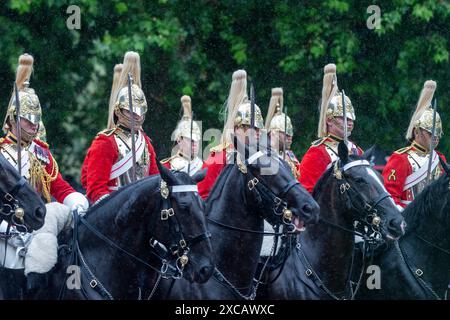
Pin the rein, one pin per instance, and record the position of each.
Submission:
(10, 208)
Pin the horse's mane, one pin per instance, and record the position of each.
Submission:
(128, 191)
(320, 183)
(429, 201)
(324, 177)
(5, 163)
(218, 185)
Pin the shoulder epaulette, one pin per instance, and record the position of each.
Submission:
(219, 147)
(318, 142)
(402, 150)
(41, 143)
(107, 132)
(1, 140)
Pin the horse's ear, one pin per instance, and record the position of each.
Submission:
(444, 166)
(368, 153)
(166, 174)
(343, 152)
(242, 148)
(200, 175)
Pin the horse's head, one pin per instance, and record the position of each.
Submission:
(366, 196)
(274, 190)
(182, 226)
(20, 204)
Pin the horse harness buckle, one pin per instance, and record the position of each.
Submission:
(93, 283)
(8, 197)
(419, 272)
(252, 183)
(344, 187)
(308, 272)
(166, 213)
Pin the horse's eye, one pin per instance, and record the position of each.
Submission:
(360, 180)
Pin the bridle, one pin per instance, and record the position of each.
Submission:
(12, 213)
(264, 197)
(172, 258)
(10, 209)
(366, 211)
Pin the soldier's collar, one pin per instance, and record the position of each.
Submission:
(11, 137)
(180, 154)
(126, 129)
(419, 147)
(123, 128)
(333, 137)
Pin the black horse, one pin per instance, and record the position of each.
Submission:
(20, 204)
(418, 265)
(22, 207)
(113, 246)
(317, 264)
(242, 197)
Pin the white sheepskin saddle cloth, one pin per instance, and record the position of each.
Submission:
(42, 251)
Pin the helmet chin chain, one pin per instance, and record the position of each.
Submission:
(126, 121)
(25, 135)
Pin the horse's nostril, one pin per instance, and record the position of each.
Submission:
(40, 214)
(307, 209)
(206, 272)
(397, 225)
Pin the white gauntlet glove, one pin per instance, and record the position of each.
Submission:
(77, 201)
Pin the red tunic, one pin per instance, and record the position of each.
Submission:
(59, 188)
(101, 156)
(166, 164)
(316, 160)
(215, 163)
(395, 172)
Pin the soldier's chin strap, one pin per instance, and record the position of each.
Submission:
(25, 136)
(125, 121)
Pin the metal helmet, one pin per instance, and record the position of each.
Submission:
(138, 100)
(277, 120)
(185, 125)
(331, 104)
(238, 107)
(30, 108)
(243, 115)
(335, 107)
(423, 116)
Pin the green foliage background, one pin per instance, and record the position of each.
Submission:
(192, 47)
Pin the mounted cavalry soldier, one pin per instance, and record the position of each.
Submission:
(188, 137)
(35, 162)
(331, 131)
(239, 124)
(279, 127)
(122, 153)
(406, 172)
